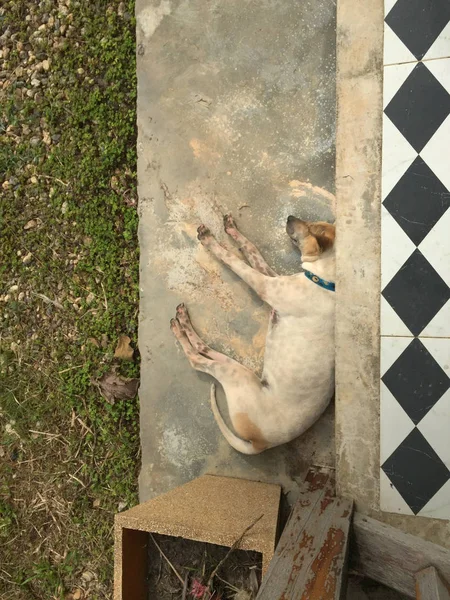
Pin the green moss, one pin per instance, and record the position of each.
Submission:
(81, 191)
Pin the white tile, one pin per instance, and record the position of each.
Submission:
(390, 499)
(436, 247)
(390, 322)
(439, 326)
(441, 70)
(395, 425)
(395, 50)
(439, 348)
(388, 4)
(398, 155)
(394, 77)
(396, 247)
(435, 426)
(437, 153)
(439, 505)
(441, 46)
(391, 348)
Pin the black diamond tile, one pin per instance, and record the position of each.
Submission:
(418, 200)
(416, 293)
(416, 381)
(418, 23)
(416, 471)
(419, 107)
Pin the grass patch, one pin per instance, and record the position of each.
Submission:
(68, 289)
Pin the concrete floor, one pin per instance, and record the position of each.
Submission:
(236, 102)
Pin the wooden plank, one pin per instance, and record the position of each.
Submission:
(392, 557)
(317, 486)
(310, 558)
(429, 586)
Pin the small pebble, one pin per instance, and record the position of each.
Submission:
(27, 258)
(87, 576)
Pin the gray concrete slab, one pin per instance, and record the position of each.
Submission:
(236, 102)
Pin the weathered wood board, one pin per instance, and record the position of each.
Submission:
(392, 557)
(309, 561)
(429, 586)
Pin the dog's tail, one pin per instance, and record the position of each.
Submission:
(236, 442)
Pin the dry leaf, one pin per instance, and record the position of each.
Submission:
(47, 300)
(115, 387)
(30, 225)
(123, 349)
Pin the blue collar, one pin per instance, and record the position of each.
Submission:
(327, 285)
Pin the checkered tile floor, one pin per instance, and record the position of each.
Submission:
(415, 260)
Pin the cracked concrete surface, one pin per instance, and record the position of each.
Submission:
(236, 103)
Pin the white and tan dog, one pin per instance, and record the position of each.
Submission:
(298, 377)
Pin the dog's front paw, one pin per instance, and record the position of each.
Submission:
(230, 227)
(181, 311)
(229, 223)
(204, 234)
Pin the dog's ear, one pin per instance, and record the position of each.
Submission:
(325, 235)
(310, 246)
(301, 227)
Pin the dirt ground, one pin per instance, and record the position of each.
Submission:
(238, 577)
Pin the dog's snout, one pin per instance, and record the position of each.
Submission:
(291, 225)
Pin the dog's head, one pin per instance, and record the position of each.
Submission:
(312, 238)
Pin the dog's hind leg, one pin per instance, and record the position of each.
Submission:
(239, 383)
(249, 250)
(195, 340)
(201, 356)
(197, 360)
